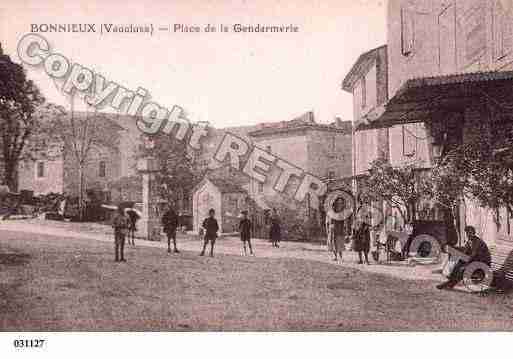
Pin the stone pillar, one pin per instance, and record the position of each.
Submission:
(150, 222)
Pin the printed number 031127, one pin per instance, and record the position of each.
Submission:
(29, 343)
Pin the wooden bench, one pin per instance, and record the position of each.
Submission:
(502, 263)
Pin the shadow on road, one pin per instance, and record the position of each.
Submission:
(14, 259)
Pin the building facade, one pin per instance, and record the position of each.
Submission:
(323, 150)
(449, 71)
(436, 37)
(367, 81)
(53, 168)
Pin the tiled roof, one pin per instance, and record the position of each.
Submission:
(460, 78)
(226, 186)
(304, 122)
(413, 102)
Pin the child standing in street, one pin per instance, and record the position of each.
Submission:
(245, 232)
(170, 224)
(275, 231)
(211, 227)
(133, 217)
(120, 223)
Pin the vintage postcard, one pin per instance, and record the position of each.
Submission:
(261, 166)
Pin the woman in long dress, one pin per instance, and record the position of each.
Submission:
(361, 243)
(336, 233)
(329, 234)
(275, 231)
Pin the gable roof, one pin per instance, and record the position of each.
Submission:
(223, 185)
(303, 122)
(226, 186)
(360, 66)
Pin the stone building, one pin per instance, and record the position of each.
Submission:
(226, 198)
(320, 149)
(323, 150)
(450, 68)
(54, 167)
(367, 81)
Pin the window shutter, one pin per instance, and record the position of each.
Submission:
(407, 32)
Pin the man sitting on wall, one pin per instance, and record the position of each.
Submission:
(476, 249)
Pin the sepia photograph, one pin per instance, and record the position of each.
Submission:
(255, 166)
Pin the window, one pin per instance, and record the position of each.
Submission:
(268, 148)
(475, 37)
(407, 32)
(331, 175)
(364, 92)
(502, 31)
(102, 169)
(447, 61)
(332, 148)
(260, 187)
(409, 142)
(505, 230)
(40, 169)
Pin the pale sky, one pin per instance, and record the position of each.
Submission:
(228, 79)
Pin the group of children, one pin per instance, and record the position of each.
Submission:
(123, 225)
(210, 228)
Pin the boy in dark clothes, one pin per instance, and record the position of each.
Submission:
(170, 224)
(245, 232)
(211, 227)
(133, 217)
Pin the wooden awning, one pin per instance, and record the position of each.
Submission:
(418, 98)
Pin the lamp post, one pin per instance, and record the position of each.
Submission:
(148, 167)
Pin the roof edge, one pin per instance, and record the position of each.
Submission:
(348, 81)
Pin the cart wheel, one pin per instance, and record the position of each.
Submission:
(424, 249)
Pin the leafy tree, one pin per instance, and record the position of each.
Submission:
(19, 100)
(475, 170)
(80, 133)
(178, 174)
(129, 187)
(401, 187)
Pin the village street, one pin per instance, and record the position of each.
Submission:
(69, 281)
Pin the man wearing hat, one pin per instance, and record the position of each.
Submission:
(476, 249)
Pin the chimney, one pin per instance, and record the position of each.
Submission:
(310, 117)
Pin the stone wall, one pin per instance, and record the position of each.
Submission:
(329, 151)
(52, 181)
(92, 178)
